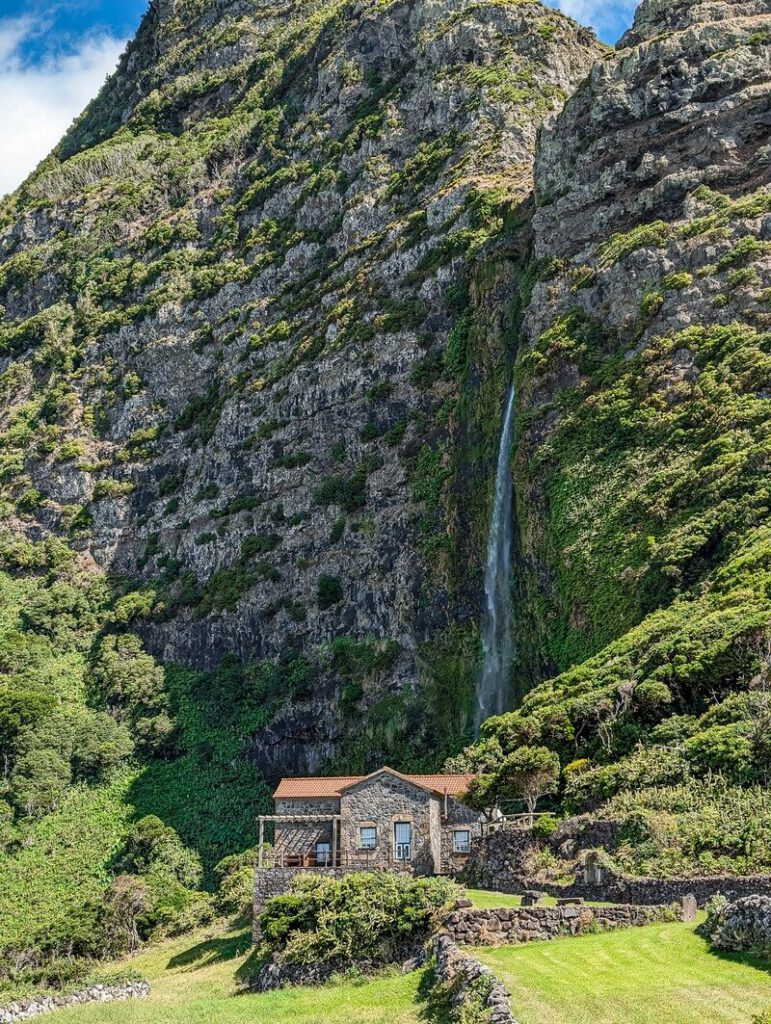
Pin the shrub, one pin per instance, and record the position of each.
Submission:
(329, 591)
(349, 491)
(362, 917)
(155, 850)
(544, 827)
(236, 875)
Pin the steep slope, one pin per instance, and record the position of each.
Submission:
(644, 378)
(234, 326)
(257, 316)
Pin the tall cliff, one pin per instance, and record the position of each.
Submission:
(260, 313)
(242, 367)
(643, 459)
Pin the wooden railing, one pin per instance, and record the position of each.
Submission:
(358, 859)
(516, 821)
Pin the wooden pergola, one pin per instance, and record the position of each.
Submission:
(292, 819)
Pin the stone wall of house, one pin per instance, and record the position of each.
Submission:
(510, 925)
(457, 816)
(317, 805)
(382, 801)
(469, 984)
(269, 882)
(27, 1009)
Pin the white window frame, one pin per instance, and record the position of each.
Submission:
(326, 859)
(465, 847)
(370, 843)
(402, 846)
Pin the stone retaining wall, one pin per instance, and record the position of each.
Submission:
(641, 891)
(26, 1009)
(497, 863)
(461, 974)
(540, 924)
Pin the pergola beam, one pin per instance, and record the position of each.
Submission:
(289, 819)
(299, 817)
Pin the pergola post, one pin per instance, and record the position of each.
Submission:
(262, 841)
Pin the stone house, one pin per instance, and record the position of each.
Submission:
(382, 821)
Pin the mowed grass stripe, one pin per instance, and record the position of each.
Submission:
(635, 976)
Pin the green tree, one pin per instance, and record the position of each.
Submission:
(39, 781)
(100, 745)
(530, 773)
(129, 683)
(154, 849)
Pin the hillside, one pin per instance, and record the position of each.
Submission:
(260, 312)
(641, 469)
(237, 310)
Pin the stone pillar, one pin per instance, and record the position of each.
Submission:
(689, 908)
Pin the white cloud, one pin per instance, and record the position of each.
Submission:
(609, 17)
(40, 98)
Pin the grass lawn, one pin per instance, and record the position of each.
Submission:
(195, 981)
(660, 973)
(484, 900)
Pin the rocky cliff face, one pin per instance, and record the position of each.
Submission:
(255, 332)
(644, 378)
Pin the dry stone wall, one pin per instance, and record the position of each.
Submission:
(509, 925)
(27, 1009)
(498, 863)
(468, 982)
(643, 891)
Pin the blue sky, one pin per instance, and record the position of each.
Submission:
(55, 55)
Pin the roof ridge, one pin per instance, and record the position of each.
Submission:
(332, 786)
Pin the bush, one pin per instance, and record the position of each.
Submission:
(362, 917)
(544, 827)
(743, 926)
(236, 875)
(155, 850)
(330, 591)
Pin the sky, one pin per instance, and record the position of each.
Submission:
(55, 55)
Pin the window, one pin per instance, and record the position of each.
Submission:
(367, 837)
(461, 841)
(323, 854)
(403, 840)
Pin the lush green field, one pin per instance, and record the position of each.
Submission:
(641, 976)
(196, 981)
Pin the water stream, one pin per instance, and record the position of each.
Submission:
(494, 681)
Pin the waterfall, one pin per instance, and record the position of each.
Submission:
(497, 639)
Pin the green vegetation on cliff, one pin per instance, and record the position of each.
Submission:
(241, 379)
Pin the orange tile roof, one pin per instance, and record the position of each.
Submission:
(297, 789)
(332, 786)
